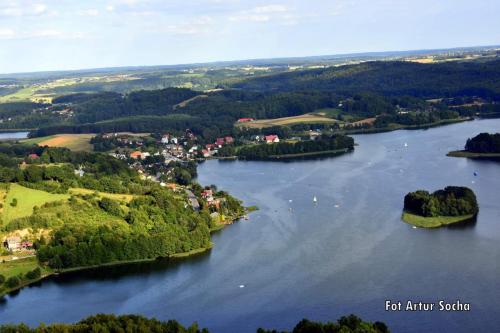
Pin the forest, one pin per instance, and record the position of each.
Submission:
(103, 323)
(452, 201)
(484, 143)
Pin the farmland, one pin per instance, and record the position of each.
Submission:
(309, 118)
(76, 142)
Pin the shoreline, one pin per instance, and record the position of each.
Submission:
(467, 154)
(433, 222)
(180, 255)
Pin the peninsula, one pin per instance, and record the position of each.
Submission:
(483, 145)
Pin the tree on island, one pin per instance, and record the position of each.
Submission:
(452, 201)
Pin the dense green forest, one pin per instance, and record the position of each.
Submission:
(484, 143)
(452, 201)
(275, 150)
(391, 78)
(133, 323)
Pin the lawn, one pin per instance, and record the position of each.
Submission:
(26, 199)
(16, 267)
(76, 142)
(433, 222)
(287, 121)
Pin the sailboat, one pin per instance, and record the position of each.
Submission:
(315, 200)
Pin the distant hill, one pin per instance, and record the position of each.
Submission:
(390, 78)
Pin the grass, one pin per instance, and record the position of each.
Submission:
(433, 222)
(463, 153)
(308, 118)
(18, 267)
(75, 142)
(26, 199)
(118, 197)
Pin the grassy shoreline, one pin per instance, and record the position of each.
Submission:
(433, 222)
(467, 154)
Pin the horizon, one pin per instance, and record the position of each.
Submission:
(47, 36)
(411, 52)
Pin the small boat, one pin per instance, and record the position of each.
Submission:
(290, 201)
(406, 145)
(242, 286)
(414, 227)
(336, 206)
(315, 200)
(475, 173)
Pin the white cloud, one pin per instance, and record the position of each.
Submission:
(271, 9)
(7, 33)
(19, 9)
(110, 8)
(263, 14)
(39, 9)
(89, 12)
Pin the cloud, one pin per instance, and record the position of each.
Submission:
(273, 12)
(198, 25)
(19, 9)
(89, 12)
(7, 33)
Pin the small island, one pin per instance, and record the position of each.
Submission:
(483, 145)
(444, 207)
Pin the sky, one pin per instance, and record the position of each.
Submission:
(66, 34)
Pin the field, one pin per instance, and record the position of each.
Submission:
(114, 196)
(308, 118)
(26, 199)
(76, 142)
(433, 222)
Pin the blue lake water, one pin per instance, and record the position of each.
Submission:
(346, 254)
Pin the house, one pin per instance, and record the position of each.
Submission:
(205, 153)
(174, 140)
(145, 155)
(245, 120)
(210, 146)
(135, 154)
(27, 245)
(229, 139)
(13, 243)
(207, 193)
(165, 139)
(79, 172)
(272, 138)
(33, 156)
(219, 142)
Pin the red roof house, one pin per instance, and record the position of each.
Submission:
(219, 141)
(135, 155)
(245, 120)
(33, 156)
(229, 139)
(272, 138)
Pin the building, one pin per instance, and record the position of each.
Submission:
(229, 139)
(165, 139)
(272, 139)
(219, 142)
(33, 156)
(13, 243)
(245, 120)
(205, 153)
(135, 154)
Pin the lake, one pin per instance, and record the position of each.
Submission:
(13, 135)
(346, 254)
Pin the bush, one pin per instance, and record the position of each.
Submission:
(2, 279)
(12, 282)
(34, 274)
(14, 202)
